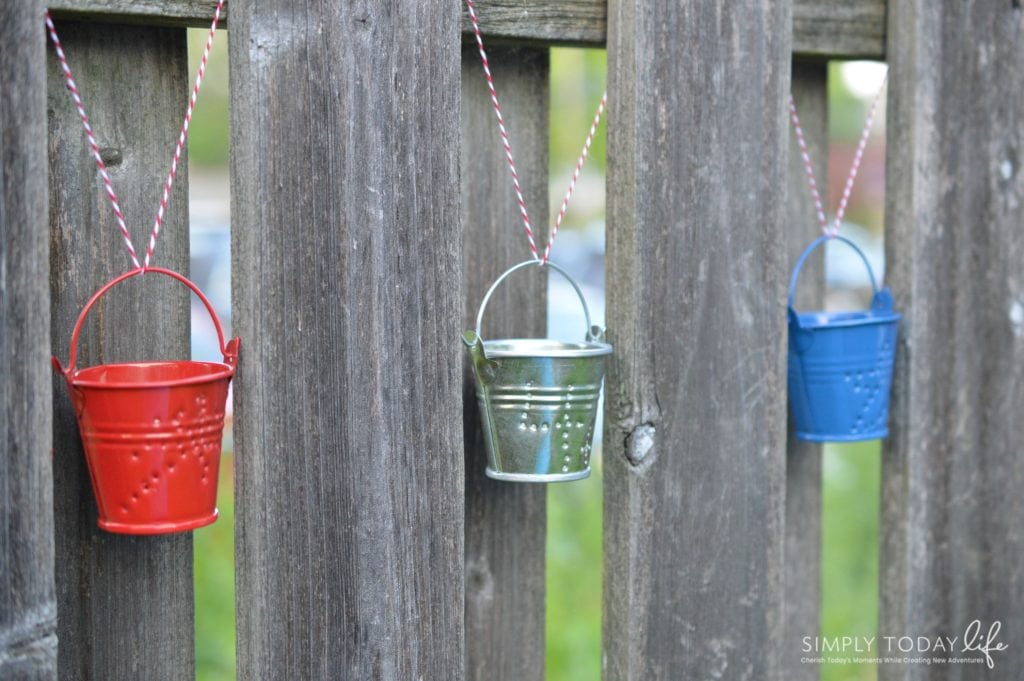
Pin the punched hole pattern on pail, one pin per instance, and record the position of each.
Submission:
(549, 420)
(198, 440)
(565, 423)
(868, 385)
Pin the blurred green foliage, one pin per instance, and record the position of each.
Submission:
(578, 79)
(846, 110)
(851, 475)
(208, 132)
(214, 563)
(574, 569)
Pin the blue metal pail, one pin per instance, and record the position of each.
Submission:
(840, 365)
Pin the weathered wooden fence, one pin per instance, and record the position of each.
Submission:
(369, 544)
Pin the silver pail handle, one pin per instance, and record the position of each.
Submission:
(594, 333)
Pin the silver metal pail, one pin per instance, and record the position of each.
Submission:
(538, 398)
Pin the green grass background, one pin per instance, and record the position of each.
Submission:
(214, 560)
(851, 476)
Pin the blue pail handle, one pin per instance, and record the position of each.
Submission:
(810, 249)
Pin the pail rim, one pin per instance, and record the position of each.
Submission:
(537, 477)
(544, 347)
(221, 371)
(812, 436)
(158, 527)
(836, 320)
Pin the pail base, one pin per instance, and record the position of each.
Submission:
(845, 437)
(538, 477)
(157, 528)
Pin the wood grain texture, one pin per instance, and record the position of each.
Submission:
(149, 12)
(839, 29)
(125, 603)
(28, 608)
(346, 246)
(831, 29)
(695, 430)
(568, 22)
(506, 523)
(953, 513)
(803, 459)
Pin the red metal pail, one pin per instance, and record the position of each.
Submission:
(152, 431)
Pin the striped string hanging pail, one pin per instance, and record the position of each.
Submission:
(840, 364)
(538, 398)
(152, 431)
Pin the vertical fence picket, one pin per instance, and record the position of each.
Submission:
(803, 459)
(952, 467)
(505, 522)
(346, 246)
(695, 430)
(28, 644)
(125, 607)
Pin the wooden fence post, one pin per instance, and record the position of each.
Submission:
(347, 292)
(695, 429)
(506, 523)
(952, 507)
(125, 606)
(28, 611)
(803, 459)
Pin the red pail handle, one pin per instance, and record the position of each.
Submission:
(229, 350)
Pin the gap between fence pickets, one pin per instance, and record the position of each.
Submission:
(821, 28)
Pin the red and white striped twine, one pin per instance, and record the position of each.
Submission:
(100, 165)
(854, 168)
(183, 135)
(94, 146)
(508, 149)
(575, 176)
